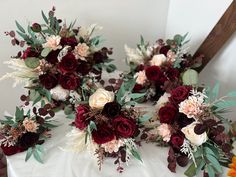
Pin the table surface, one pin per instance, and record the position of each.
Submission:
(59, 163)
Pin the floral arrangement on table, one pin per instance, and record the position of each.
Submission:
(27, 131)
(192, 124)
(161, 67)
(60, 63)
(108, 125)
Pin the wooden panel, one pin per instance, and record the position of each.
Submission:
(222, 31)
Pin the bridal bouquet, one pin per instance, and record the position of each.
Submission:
(161, 67)
(108, 126)
(192, 124)
(60, 62)
(27, 131)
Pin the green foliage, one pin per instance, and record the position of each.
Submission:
(19, 114)
(136, 155)
(71, 116)
(20, 27)
(68, 110)
(144, 118)
(110, 68)
(190, 77)
(45, 52)
(37, 153)
(44, 17)
(32, 62)
(28, 154)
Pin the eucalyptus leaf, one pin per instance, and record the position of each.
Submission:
(210, 171)
(190, 77)
(37, 155)
(215, 91)
(29, 154)
(92, 126)
(32, 62)
(214, 162)
(136, 155)
(71, 116)
(137, 95)
(144, 118)
(20, 27)
(232, 94)
(44, 17)
(37, 99)
(110, 68)
(45, 52)
(68, 110)
(191, 171)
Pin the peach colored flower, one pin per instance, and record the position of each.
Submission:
(191, 107)
(164, 130)
(158, 60)
(81, 50)
(113, 146)
(53, 42)
(30, 125)
(141, 77)
(171, 56)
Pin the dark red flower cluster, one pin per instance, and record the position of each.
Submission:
(110, 123)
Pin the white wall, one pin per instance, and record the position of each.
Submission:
(123, 22)
(199, 21)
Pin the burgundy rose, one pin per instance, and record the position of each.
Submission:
(179, 94)
(68, 63)
(84, 68)
(167, 114)
(11, 150)
(98, 57)
(103, 134)
(172, 73)
(111, 109)
(164, 50)
(30, 52)
(49, 81)
(80, 120)
(69, 81)
(137, 88)
(177, 140)
(153, 73)
(52, 56)
(28, 139)
(124, 127)
(71, 41)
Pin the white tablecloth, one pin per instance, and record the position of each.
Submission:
(59, 163)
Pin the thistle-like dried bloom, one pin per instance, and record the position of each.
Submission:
(30, 125)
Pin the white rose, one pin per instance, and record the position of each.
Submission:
(192, 136)
(134, 55)
(158, 60)
(100, 98)
(58, 93)
(162, 101)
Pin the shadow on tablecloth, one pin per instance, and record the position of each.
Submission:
(3, 167)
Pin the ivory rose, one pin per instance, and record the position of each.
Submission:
(162, 101)
(53, 42)
(81, 50)
(192, 136)
(100, 98)
(158, 60)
